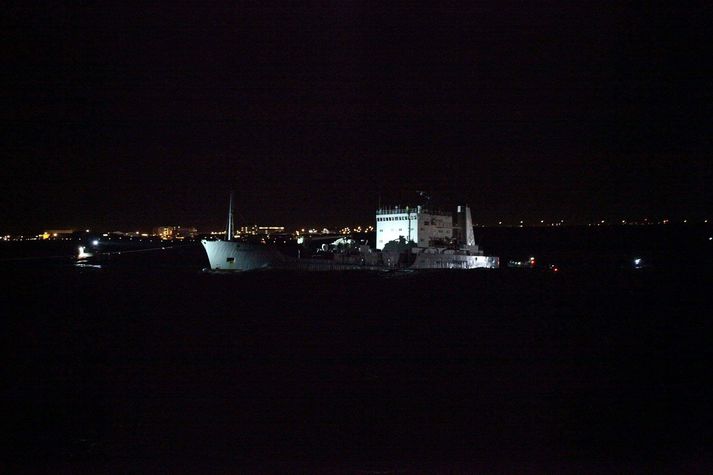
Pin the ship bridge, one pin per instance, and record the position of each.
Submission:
(424, 226)
(418, 224)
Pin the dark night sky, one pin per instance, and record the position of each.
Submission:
(118, 117)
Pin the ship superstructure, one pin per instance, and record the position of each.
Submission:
(420, 238)
(418, 224)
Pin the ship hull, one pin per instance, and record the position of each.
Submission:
(234, 256)
(450, 261)
(241, 256)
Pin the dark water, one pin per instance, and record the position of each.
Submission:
(147, 364)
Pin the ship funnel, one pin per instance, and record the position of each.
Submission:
(465, 226)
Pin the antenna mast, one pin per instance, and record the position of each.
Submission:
(230, 231)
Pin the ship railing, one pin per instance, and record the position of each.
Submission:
(397, 210)
(405, 210)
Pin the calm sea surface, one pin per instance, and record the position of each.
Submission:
(146, 363)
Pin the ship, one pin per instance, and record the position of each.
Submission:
(408, 238)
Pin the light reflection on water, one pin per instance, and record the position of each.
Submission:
(84, 264)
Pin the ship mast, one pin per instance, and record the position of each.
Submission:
(229, 232)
